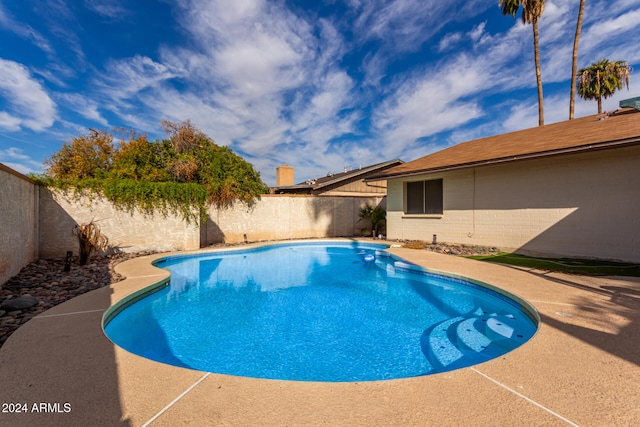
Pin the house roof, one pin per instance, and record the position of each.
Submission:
(332, 179)
(621, 127)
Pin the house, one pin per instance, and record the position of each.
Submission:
(350, 182)
(566, 189)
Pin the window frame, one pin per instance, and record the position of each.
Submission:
(428, 193)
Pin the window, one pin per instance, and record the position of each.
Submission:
(424, 197)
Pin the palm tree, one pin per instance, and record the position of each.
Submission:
(574, 66)
(531, 13)
(601, 79)
(376, 215)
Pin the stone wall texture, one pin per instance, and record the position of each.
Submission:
(582, 205)
(18, 222)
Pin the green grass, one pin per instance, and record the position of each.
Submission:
(585, 267)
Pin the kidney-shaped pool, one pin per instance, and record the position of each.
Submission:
(325, 311)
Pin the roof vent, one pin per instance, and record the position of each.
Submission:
(631, 103)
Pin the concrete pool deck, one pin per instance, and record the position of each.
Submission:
(581, 368)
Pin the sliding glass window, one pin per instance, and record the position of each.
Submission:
(424, 197)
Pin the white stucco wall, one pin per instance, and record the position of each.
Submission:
(585, 205)
(18, 222)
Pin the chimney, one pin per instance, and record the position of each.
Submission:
(284, 175)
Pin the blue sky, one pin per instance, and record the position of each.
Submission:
(318, 85)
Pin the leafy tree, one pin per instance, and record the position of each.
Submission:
(601, 79)
(87, 156)
(227, 177)
(186, 141)
(187, 169)
(197, 158)
(139, 159)
(531, 12)
(574, 64)
(184, 136)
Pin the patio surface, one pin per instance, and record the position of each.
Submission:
(581, 368)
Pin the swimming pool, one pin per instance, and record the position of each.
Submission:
(327, 311)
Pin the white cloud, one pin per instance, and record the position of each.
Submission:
(522, 115)
(260, 79)
(445, 96)
(449, 40)
(9, 122)
(405, 25)
(108, 8)
(24, 31)
(399, 20)
(17, 160)
(62, 24)
(332, 93)
(128, 77)
(29, 105)
(609, 30)
(259, 66)
(613, 27)
(374, 68)
(321, 93)
(84, 106)
(478, 32)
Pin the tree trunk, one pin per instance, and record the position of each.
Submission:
(599, 105)
(574, 66)
(536, 53)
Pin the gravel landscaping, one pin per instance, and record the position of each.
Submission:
(43, 284)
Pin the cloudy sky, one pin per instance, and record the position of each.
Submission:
(320, 85)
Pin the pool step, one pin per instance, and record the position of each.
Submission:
(440, 349)
(469, 337)
(498, 328)
(484, 337)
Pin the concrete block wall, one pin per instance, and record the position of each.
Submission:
(18, 222)
(270, 218)
(582, 205)
(280, 217)
(127, 231)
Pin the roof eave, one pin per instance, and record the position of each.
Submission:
(542, 154)
(357, 173)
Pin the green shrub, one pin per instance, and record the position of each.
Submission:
(183, 173)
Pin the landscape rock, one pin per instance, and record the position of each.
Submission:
(19, 303)
(451, 248)
(43, 284)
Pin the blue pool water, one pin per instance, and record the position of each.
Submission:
(317, 312)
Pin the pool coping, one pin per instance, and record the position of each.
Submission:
(581, 368)
(398, 264)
